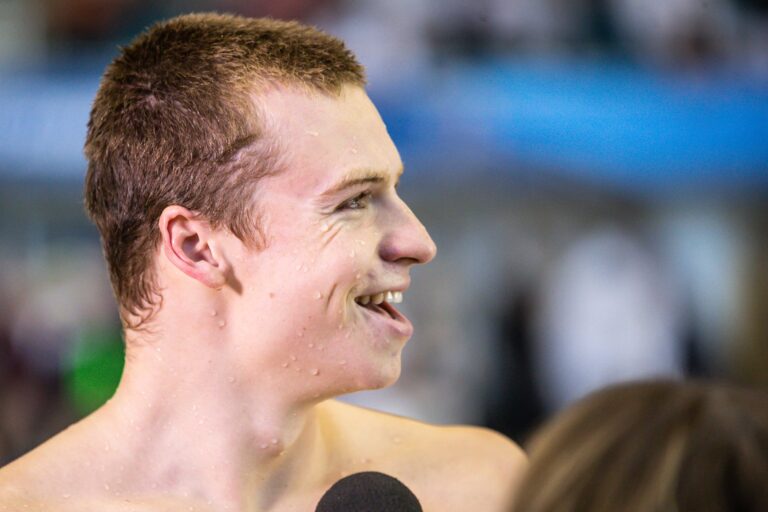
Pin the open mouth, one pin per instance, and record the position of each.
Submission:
(380, 303)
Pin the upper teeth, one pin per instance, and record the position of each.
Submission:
(389, 296)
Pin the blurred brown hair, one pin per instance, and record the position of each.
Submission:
(176, 121)
(651, 447)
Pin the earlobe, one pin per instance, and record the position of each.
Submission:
(190, 246)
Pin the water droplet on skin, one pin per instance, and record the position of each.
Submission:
(298, 368)
(321, 347)
(263, 446)
(358, 276)
(65, 496)
(300, 334)
(352, 254)
(346, 336)
(361, 242)
(341, 326)
(284, 365)
(318, 295)
(311, 132)
(274, 440)
(222, 323)
(293, 358)
(342, 363)
(106, 487)
(214, 312)
(354, 151)
(311, 345)
(315, 372)
(325, 227)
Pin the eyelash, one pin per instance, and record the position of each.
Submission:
(359, 202)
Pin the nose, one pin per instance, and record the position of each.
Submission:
(406, 240)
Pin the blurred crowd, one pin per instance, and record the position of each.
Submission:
(542, 292)
(401, 35)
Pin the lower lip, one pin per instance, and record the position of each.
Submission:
(397, 324)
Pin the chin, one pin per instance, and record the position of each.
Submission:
(382, 376)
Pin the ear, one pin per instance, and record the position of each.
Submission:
(189, 243)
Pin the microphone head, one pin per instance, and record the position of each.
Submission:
(369, 491)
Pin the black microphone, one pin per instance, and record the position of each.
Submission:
(369, 491)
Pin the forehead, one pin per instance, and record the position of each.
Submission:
(325, 138)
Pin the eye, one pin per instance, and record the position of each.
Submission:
(359, 202)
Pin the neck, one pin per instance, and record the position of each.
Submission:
(202, 433)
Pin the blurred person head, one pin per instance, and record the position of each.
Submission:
(178, 120)
(653, 446)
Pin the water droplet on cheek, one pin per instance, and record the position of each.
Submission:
(342, 363)
(284, 365)
(315, 372)
(352, 254)
(214, 312)
(292, 357)
(324, 227)
(311, 345)
(318, 295)
(221, 324)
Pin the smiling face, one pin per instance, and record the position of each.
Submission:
(319, 302)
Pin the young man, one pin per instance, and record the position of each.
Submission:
(245, 190)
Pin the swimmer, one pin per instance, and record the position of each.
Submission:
(244, 187)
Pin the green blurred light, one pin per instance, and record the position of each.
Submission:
(95, 367)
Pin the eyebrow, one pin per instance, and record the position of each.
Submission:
(358, 177)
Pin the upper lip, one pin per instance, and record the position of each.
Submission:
(401, 287)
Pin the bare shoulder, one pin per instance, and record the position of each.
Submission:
(448, 467)
(470, 467)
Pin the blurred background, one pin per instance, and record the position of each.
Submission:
(594, 173)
